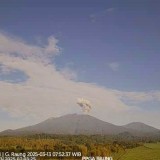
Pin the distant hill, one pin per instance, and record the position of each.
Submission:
(76, 124)
(141, 127)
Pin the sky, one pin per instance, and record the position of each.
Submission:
(53, 52)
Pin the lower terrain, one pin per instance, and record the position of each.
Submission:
(86, 134)
(148, 151)
(96, 145)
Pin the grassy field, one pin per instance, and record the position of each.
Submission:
(150, 151)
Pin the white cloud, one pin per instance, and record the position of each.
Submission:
(114, 66)
(49, 92)
(140, 96)
(69, 73)
(14, 46)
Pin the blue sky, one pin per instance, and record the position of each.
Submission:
(128, 35)
(111, 44)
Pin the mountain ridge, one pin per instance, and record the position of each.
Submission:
(76, 124)
(140, 127)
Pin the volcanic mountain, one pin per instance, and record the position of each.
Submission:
(76, 124)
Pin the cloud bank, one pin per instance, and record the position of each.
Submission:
(49, 92)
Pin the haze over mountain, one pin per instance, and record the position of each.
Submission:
(75, 124)
(141, 127)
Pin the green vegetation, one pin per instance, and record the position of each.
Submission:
(149, 151)
(95, 145)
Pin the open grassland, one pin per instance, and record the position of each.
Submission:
(149, 151)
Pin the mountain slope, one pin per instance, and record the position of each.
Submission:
(75, 124)
(69, 124)
(141, 127)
